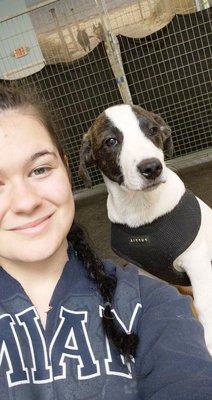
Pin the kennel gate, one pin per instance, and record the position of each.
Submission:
(82, 56)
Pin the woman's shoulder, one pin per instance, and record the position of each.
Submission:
(132, 275)
(132, 286)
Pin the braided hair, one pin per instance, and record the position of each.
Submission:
(13, 98)
(125, 343)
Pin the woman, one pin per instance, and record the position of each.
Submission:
(72, 326)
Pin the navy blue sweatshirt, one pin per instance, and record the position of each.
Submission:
(72, 359)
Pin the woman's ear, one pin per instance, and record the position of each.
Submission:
(66, 164)
(66, 161)
(86, 159)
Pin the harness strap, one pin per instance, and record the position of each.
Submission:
(155, 246)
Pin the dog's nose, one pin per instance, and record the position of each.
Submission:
(150, 168)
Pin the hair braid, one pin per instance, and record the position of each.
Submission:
(125, 343)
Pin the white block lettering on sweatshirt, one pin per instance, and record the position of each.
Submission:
(70, 344)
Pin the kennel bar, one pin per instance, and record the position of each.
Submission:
(78, 82)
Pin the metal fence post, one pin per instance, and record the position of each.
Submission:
(114, 54)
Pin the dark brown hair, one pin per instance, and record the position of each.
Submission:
(12, 98)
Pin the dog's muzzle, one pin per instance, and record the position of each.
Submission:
(150, 168)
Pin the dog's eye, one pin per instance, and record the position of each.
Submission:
(111, 142)
(153, 130)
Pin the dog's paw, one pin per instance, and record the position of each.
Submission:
(208, 337)
(206, 320)
(208, 341)
(209, 347)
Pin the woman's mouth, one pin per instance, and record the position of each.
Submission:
(33, 228)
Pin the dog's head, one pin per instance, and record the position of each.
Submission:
(128, 144)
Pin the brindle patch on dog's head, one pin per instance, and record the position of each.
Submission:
(155, 129)
(101, 146)
(103, 142)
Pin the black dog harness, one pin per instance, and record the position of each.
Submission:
(155, 246)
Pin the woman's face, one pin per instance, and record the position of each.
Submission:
(36, 201)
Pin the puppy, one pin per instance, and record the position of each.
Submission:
(156, 223)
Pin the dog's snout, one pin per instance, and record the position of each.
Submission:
(150, 168)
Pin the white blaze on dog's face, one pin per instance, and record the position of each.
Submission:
(140, 160)
(127, 143)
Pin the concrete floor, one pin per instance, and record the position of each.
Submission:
(91, 212)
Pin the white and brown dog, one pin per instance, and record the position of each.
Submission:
(156, 222)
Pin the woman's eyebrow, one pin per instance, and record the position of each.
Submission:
(40, 154)
(35, 156)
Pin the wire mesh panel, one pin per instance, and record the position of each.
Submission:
(169, 72)
(77, 83)
(66, 51)
(76, 92)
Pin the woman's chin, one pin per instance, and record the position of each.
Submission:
(36, 252)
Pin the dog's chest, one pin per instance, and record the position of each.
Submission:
(155, 246)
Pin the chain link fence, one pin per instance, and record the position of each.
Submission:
(83, 56)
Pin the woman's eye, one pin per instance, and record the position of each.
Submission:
(111, 142)
(153, 130)
(41, 170)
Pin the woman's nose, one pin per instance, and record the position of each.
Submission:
(24, 198)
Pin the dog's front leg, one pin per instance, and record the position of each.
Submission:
(196, 262)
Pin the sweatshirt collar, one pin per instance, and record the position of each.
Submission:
(71, 281)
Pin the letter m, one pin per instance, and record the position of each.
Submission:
(10, 353)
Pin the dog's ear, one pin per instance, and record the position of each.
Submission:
(86, 159)
(168, 145)
(165, 134)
